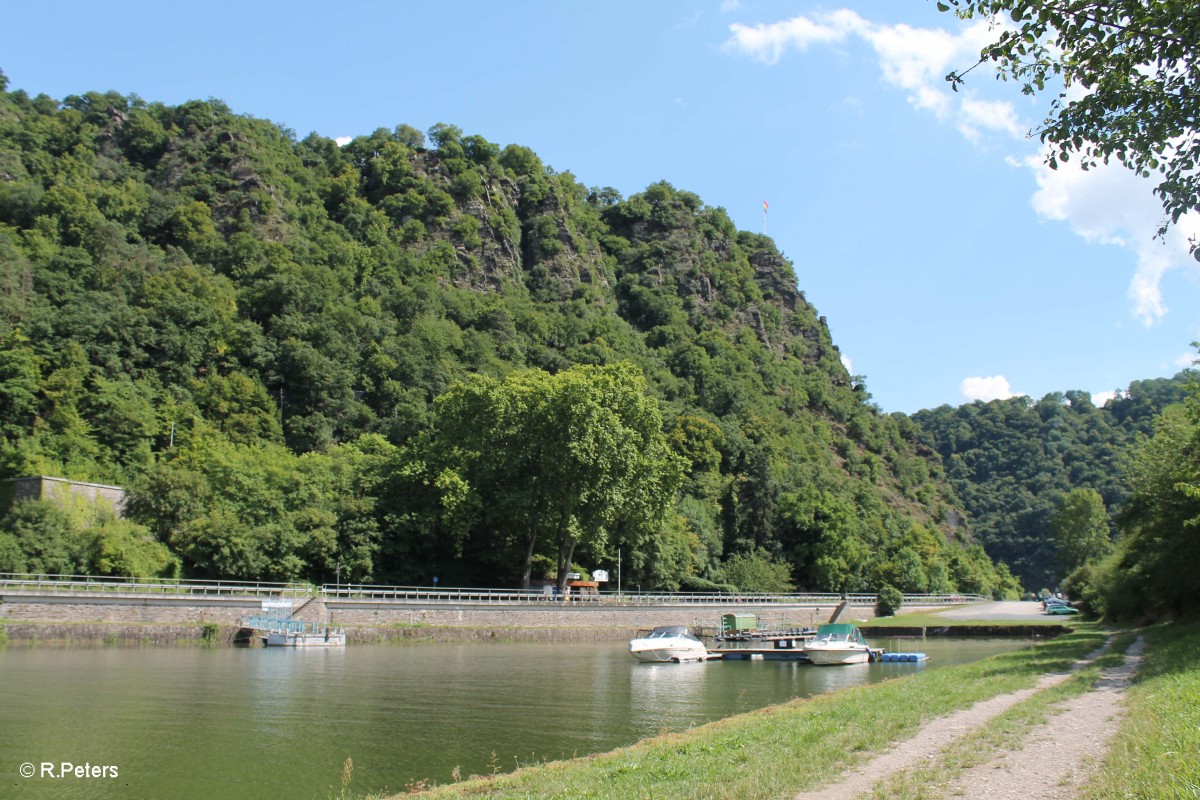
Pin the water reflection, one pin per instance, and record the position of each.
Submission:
(198, 723)
(667, 696)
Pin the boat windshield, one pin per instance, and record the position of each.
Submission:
(671, 631)
(839, 634)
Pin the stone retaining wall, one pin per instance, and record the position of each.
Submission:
(112, 610)
(97, 633)
(561, 615)
(69, 616)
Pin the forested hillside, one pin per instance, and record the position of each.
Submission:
(253, 331)
(1013, 462)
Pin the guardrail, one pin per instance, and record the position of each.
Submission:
(165, 586)
(425, 595)
(414, 594)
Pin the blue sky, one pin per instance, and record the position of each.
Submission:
(949, 263)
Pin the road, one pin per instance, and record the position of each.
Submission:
(1006, 611)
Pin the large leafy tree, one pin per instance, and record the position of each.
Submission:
(1080, 526)
(1127, 77)
(570, 461)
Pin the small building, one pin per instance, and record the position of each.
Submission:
(46, 487)
(583, 588)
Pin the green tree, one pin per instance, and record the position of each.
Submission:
(1080, 526)
(122, 547)
(1138, 62)
(1161, 548)
(166, 496)
(890, 600)
(571, 459)
(48, 538)
(758, 572)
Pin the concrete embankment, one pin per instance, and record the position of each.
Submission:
(966, 629)
(157, 618)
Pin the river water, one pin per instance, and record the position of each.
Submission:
(220, 723)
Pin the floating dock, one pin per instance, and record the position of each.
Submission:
(898, 657)
(876, 655)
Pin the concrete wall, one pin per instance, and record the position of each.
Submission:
(44, 487)
(598, 619)
(71, 608)
(563, 615)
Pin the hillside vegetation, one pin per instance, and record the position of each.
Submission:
(251, 331)
(1013, 463)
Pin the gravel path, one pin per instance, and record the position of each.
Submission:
(1056, 758)
(1080, 733)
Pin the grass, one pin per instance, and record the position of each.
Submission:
(1154, 756)
(782, 749)
(209, 632)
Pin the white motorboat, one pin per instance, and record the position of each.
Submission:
(668, 643)
(838, 643)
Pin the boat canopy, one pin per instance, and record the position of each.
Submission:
(836, 627)
(670, 630)
(839, 632)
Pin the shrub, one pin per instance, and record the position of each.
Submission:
(890, 600)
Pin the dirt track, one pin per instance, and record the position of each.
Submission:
(1079, 733)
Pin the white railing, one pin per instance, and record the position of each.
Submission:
(166, 586)
(415, 594)
(423, 595)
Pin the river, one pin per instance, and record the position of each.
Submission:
(220, 723)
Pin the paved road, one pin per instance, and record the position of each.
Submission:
(1014, 610)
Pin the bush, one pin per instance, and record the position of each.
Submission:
(890, 600)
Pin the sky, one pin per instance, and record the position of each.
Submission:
(950, 264)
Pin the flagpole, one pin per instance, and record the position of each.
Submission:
(764, 217)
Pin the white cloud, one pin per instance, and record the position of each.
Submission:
(989, 115)
(767, 43)
(847, 364)
(1107, 205)
(730, 5)
(1100, 398)
(1187, 360)
(1111, 205)
(342, 141)
(915, 60)
(994, 387)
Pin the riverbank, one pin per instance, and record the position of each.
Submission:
(81, 616)
(94, 634)
(84, 634)
(806, 744)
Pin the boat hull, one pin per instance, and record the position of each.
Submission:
(663, 653)
(829, 657)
